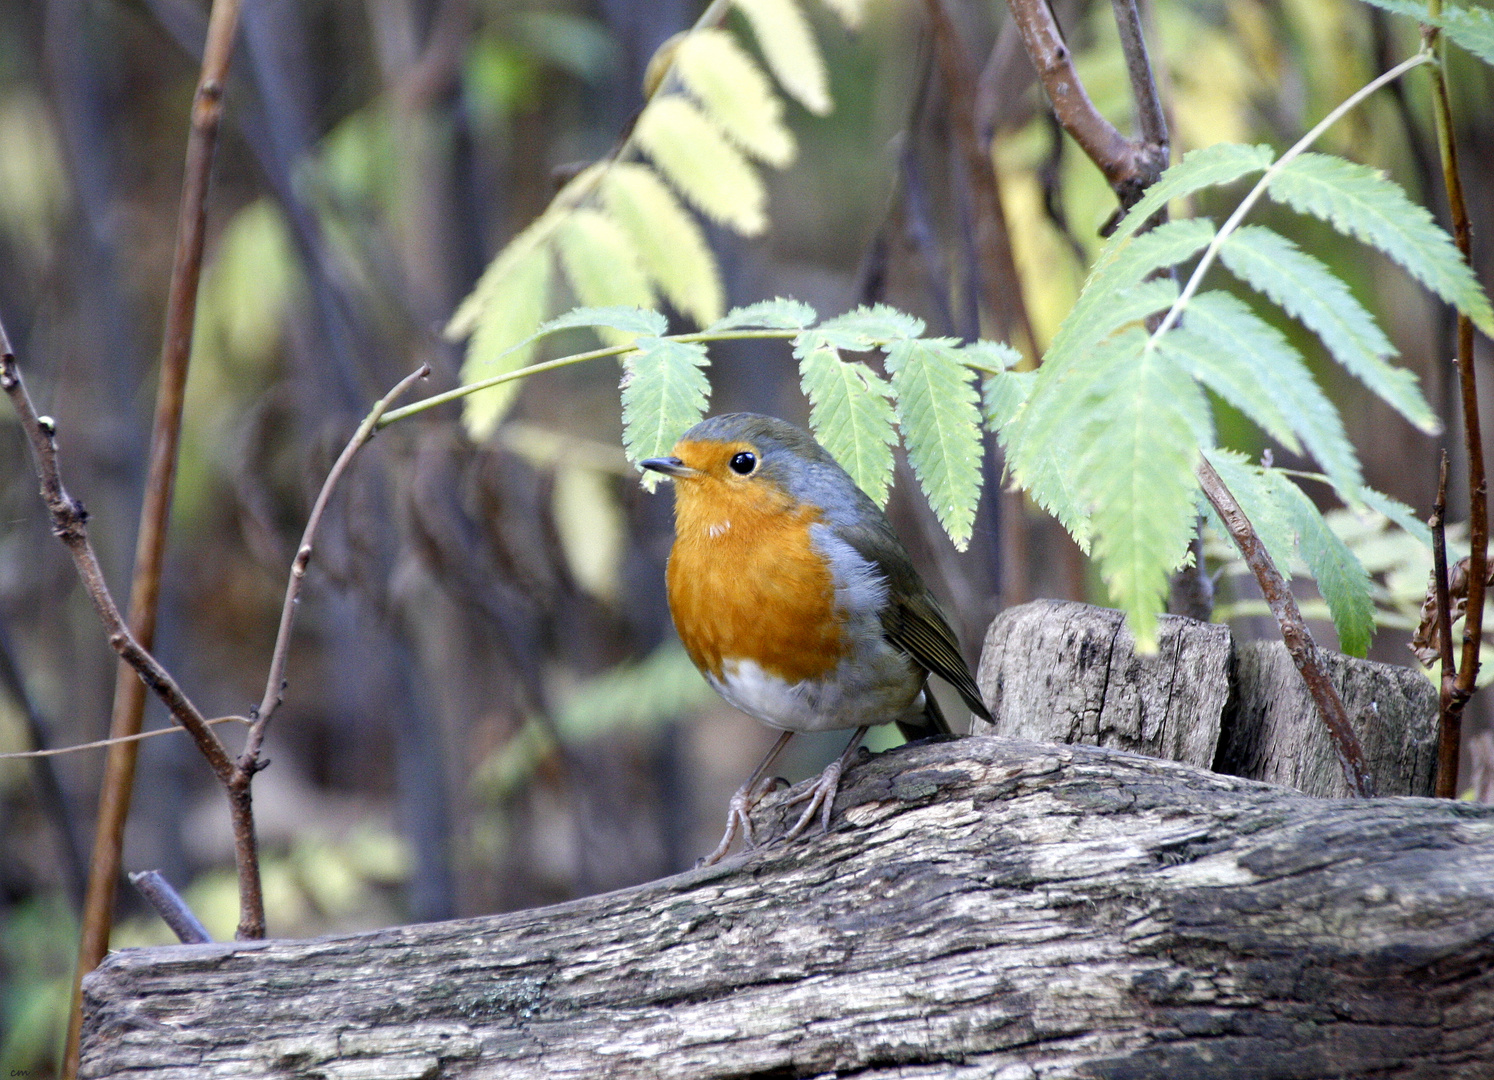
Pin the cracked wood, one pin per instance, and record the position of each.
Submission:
(981, 907)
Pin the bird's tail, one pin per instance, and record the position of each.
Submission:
(931, 723)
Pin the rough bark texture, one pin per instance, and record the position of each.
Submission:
(1272, 733)
(1056, 671)
(981, 907)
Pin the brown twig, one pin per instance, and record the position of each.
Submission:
(1478, 496)
(1001, 287)
(1450, 725)
(176, 348)
(171, 907)
(1294, 631)
(1129, 166)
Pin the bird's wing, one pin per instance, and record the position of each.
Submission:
(912, 620)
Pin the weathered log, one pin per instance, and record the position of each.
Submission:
(1056, 671)
(980, 907)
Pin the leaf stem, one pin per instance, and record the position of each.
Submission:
(1246, 204)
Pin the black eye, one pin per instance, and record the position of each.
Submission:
(743, 463)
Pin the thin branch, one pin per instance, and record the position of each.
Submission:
(1150, 118)
(240, 798)
(1294, 631)
(171, 907)
(176, 349)
(1450, 719)
(1129, 166)
(1478, 496)
(70, 525)
(103, 744)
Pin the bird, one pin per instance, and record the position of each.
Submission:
(793, 595)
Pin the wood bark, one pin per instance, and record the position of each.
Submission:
(981, 907)
(1056, 671)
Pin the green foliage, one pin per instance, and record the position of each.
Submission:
(1209, 166)
(1472, 28)
(850, 414)
(664, 392)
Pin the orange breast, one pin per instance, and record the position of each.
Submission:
(746, 583)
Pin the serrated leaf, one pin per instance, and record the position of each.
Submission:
(1003, 396)
(664, 393)
(633, 320)
(1135, 469)
(869, 328)
(1233, 329)
(1310, 292)
(1393, 509)
(698, 160)
(1360, 202)
(1340, 576)
(602, 266)
(493, 280)
(1270, 515)
(735, 94)
(1103, 308)
(776, 314)
(512, 308)
(1233, 377)
(936, 408)
(851, 417)
(669, 243)
(991, 356)
(1208, 166)
(788, 45)
(1472, 28)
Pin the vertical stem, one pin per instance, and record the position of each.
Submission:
(1478, 496)
(1450, 726)
(129, 692)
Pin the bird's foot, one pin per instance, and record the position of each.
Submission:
(739, 817)
(820, 797)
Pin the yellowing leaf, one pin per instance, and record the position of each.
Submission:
(591, 529)
(707, 169)
(669, 243)
(602, 266)
(736, 95)
(850, 12)
(788, 45)
(512, 308)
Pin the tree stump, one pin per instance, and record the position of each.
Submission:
(1056, 671)
(981, 907)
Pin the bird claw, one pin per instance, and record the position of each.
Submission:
(820, 797)
(739, 818)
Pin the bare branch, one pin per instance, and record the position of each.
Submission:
(1449, 719)
(171, 907)
(1294, 631)
(1150, 119)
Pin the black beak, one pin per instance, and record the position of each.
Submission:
(669, 466)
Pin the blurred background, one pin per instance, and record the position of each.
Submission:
(487, 707)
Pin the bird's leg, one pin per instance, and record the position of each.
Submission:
(821, 796)
(748, 795)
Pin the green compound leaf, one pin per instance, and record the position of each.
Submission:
(664, 392)
(669, 243)
(698, 160)
(1208, 166)
(869, 328)
(602, 266)
(736, 94)
(1472, 28)
(989, 356)
(1234, 377)
(632, 320)
(1135, 469)
(1340, 576)
(936, 408)
(1235, 331)
(776, 314)
(503, 333)
(851, 417)
(788, 45)
(1004, 395)
(1312, 294)
(1358, 201)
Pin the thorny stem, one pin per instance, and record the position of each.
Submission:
(1294, 631)
(176, 348)
(1453, 701)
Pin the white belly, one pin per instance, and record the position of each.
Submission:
(881, 692)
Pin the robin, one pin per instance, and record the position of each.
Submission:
(797, 601)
